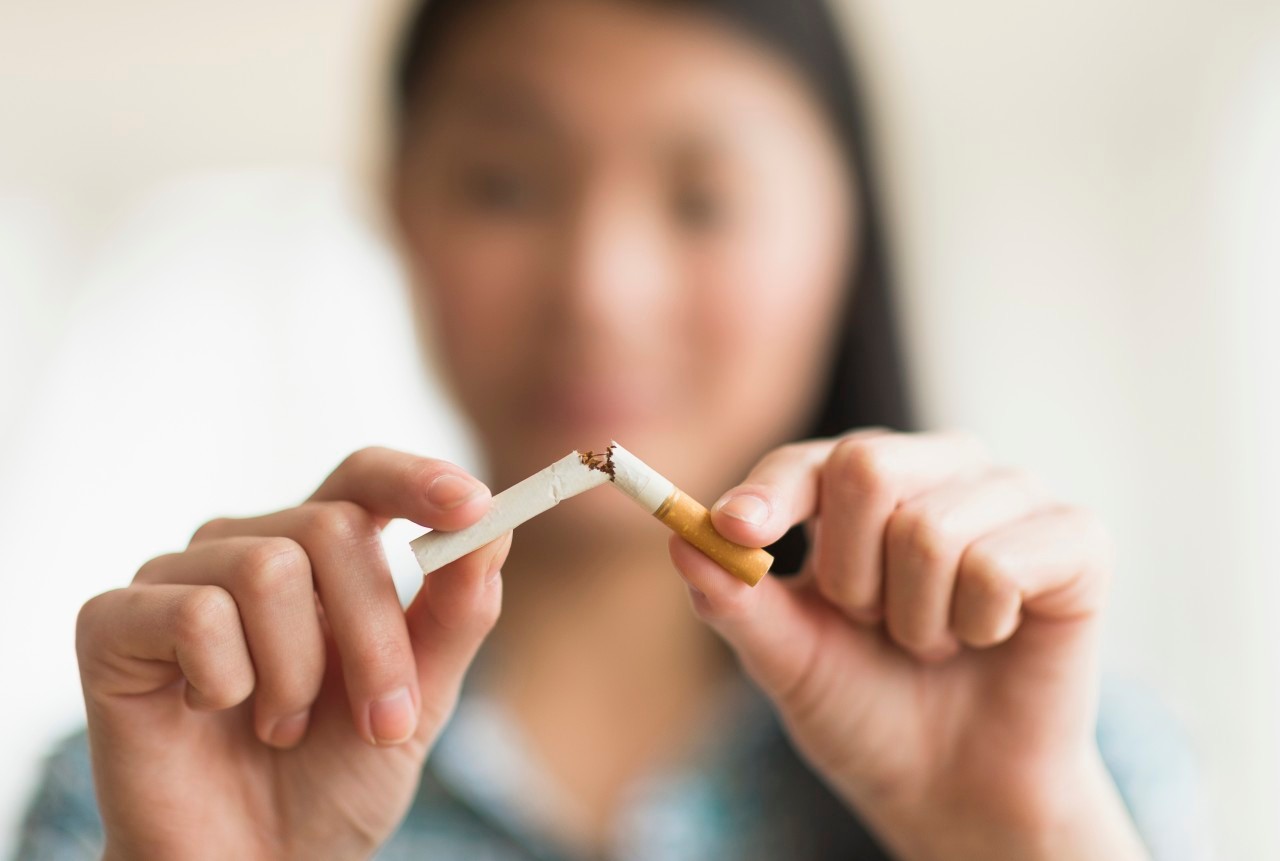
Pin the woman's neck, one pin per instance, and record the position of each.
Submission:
(601, 661)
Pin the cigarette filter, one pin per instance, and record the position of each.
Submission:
(683, 515)
(540, 492)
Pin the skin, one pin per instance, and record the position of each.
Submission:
(577, 177)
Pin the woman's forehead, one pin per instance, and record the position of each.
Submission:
(592, 67)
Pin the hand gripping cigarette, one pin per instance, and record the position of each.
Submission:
(579, 472)
(524, 500)
(683, 515)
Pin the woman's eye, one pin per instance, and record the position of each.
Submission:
(498, 190)
(698, 210)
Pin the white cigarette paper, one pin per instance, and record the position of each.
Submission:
(540, 492)
(638, 480)
(576, 473)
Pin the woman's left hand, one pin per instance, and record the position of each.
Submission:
(935, 661)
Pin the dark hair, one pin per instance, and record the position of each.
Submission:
(866, 383)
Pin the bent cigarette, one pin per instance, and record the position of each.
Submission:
(682, 514)
(524, 500)
(577, 473)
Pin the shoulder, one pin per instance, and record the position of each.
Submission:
(62, 820)
(1151, 758)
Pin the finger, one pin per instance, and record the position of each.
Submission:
(779, 492)
(924, 541)
(270, 580)
(449, 618)
(1053, 565)
(138, 640)
(390, 484)
(862, 482)
(772, 628)
(361, 609)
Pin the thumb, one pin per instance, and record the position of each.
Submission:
(453, 612)
(774, 628)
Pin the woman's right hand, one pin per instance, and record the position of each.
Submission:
(262, 694)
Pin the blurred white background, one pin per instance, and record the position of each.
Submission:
(1086, 208)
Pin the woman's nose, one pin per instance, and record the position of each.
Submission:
(618, 270)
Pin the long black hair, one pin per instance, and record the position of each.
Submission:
(866, 381)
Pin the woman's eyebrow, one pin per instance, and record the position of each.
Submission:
(692, 146)
(689, 145)
(507, 108)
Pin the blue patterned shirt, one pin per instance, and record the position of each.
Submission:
(743, 795)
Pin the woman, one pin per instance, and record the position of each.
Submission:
(648, 221)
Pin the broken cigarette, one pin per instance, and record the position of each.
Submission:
(683, 515)
(524, 500)
(577, 473)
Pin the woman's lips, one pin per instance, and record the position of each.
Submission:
(595, 403)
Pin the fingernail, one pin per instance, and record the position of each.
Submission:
(392, 719)
(746, 507)
(494, 576)
(287, 730)
(449, 491)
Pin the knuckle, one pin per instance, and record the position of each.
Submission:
(341, 521)
(860, 464)
(152, 571)
(88, 619)
(359, 458)
(267, 567)
(215, 528)
(930, 538)
(988, 569)
(206, 614)
(987, 583)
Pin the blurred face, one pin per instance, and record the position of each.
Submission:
(623, 221)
